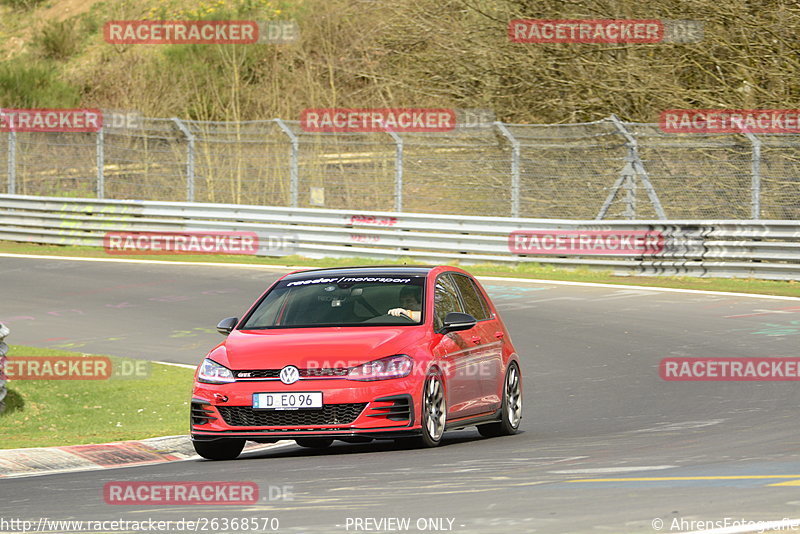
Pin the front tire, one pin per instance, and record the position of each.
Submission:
(434, 413)
(511, 409)
(221, 449)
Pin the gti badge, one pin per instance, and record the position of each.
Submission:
(290, 374)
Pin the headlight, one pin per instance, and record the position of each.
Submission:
(392, 367)
(213, 373)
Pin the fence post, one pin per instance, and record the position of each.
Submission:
(638, 166)
(294, 177)
(101, 179)
(398, 171)
(515, 156)
(12, 162)
(3, 352)
(755, 184)
(189, 158)
(630, 196)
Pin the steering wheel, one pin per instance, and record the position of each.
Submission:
(401, 316)
(386, 318)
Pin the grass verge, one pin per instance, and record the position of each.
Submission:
(536, 271)
(46, 413)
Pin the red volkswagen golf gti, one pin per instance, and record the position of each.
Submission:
(356, 354)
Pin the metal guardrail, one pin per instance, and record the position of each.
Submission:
(3, 352)
(709, 248)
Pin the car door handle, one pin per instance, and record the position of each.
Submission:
(499, 335)
(476, 340)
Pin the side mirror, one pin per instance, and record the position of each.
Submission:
(225, 326)
(456, 321)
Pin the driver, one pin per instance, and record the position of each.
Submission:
(410, 306)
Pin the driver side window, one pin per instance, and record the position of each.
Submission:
(445, 300)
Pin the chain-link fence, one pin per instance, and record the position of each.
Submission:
(607, 169)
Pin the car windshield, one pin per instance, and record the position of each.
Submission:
(369, 300)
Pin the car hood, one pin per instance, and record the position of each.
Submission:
(313, 347)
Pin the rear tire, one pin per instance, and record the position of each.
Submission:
(511, 409)
(314, 443)
(221, 449)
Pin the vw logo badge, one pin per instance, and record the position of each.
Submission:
(290, 374)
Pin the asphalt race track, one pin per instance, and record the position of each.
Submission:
(606, 445)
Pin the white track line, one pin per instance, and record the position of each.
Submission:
(645, 288)
(154, 262)
(184, 365)
(492, 278)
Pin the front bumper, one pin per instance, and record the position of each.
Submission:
(381, 409)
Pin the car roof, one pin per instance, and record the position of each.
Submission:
(402, 270)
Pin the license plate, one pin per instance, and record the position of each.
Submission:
(295, 400)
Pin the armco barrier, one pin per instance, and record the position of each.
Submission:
(709, 248)
(3, 352)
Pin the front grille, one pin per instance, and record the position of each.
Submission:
(330, 414)
(304, 373)
(310, 373)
